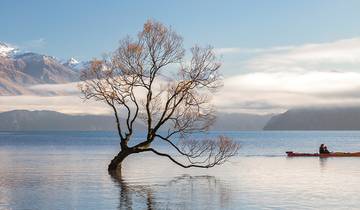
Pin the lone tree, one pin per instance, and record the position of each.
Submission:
(148, 78)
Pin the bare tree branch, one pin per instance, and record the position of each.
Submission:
(212, 152)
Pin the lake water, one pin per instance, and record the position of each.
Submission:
(67, 170)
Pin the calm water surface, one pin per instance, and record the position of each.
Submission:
(67, 170)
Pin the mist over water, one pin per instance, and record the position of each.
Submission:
(67, 170)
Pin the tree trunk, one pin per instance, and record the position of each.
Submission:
(115, 163)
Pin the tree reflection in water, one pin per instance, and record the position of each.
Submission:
(182, 192)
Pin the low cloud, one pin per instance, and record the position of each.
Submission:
(341, 55)
(278, 78)
(64, 104)
(58, 89)
(258, 92)
(271, 92)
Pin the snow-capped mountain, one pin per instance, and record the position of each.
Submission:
(20, 70)
(7, 50)
(75, 64)
(46, 69)
(72, 61)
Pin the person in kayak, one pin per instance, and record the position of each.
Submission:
(323, 149)
(326, 151)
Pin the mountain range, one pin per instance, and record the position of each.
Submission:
(345, 118)
(20, 70)
(24, 120)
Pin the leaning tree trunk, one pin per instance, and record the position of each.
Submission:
(115, 163)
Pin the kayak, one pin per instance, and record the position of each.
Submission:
(332, 154)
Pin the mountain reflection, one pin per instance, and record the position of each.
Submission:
(178, 193)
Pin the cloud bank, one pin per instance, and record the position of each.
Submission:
(272, 92)
(279, 78)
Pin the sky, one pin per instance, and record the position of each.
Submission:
(86, 29)
(276, 54)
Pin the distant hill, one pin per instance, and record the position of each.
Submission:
(240, 121)
(347, 118)
(23, 120)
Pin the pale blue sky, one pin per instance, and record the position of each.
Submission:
(86, 29)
